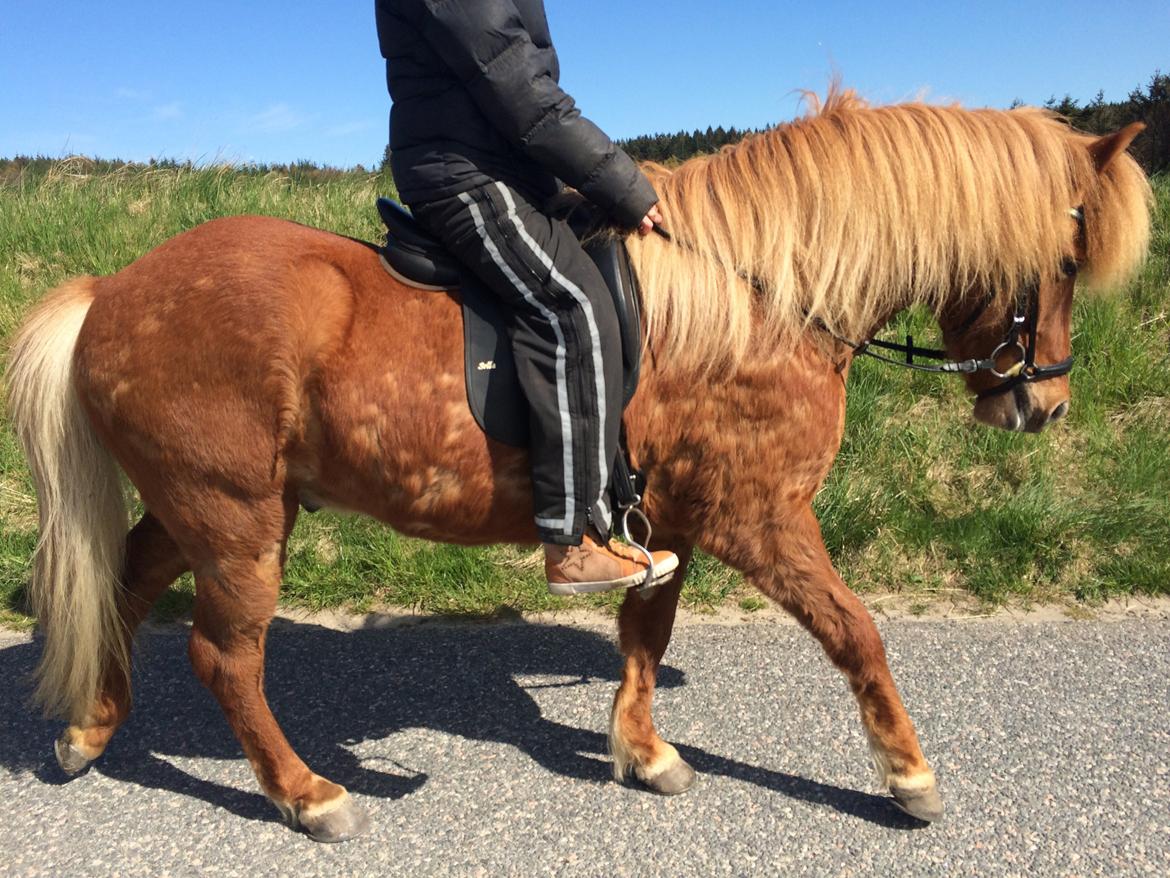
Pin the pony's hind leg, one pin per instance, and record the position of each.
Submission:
(804, 582)
(644, 632)
(236, 590)
(153, 562)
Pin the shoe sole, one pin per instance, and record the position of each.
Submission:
(662, 572)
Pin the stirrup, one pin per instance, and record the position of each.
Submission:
(648, 583)
(627, 485)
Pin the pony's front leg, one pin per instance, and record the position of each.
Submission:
(644, 632)
(804, 582)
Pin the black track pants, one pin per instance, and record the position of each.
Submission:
(565, 339)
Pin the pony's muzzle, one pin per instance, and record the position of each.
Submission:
(1020, 411)
(1039, 412)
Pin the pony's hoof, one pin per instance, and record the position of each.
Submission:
(71, 760)
(925, 804)
(679, 778)
(341, 823)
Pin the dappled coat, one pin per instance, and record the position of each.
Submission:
(476, 98)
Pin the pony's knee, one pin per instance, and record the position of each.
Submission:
(205, 656)
(845, 630)
(857, 649)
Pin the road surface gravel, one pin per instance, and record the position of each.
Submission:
(479, 749)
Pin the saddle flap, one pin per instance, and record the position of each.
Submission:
(612, 259)
(493, 388)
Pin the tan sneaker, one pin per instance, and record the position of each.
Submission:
(593, 567)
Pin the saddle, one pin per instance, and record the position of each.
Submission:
(499, 406)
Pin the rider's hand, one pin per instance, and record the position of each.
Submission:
(653, 216)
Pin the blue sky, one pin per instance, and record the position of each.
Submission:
(280, 81)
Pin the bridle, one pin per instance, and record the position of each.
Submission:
(1023, 370)
(1025, 321)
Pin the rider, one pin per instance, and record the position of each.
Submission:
(480, 132)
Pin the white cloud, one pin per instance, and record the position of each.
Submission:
(276, 118)
(348, 129)
(131, 94)
(173, 110)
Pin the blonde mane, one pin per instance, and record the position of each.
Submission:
(852, 213)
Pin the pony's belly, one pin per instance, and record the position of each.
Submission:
(470, 499)
(391, 435)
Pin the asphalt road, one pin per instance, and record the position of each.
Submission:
(480, 750)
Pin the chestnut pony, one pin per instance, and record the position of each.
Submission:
(250, 364)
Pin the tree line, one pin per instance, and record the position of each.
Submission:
(32, 168)
(683, 145)
(1149, 103)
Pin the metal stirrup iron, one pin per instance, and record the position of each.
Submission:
(626, 485)
(648, 582)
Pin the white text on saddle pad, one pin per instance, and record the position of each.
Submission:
(486, 366)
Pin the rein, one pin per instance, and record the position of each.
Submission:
(1022, 371)
(1024, 320)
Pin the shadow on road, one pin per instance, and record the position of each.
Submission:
(331, 688)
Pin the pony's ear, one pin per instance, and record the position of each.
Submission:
(1105, 149)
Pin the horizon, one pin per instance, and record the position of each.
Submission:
(158, 83)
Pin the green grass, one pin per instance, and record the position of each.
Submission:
(922, 501)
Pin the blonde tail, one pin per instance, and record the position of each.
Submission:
(83, 510)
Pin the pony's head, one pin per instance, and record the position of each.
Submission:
(1029, 335)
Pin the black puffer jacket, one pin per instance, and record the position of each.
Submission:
(476, 98)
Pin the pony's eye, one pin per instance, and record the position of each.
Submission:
(1069, 268)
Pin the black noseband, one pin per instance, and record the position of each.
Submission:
(1025, 370)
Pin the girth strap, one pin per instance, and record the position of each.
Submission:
(626, 482)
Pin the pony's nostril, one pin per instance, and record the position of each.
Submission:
(1059, 412)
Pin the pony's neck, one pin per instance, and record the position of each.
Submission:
(847, 218)
(772, 224)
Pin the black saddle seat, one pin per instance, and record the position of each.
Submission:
(413, 252)
(493, 391)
